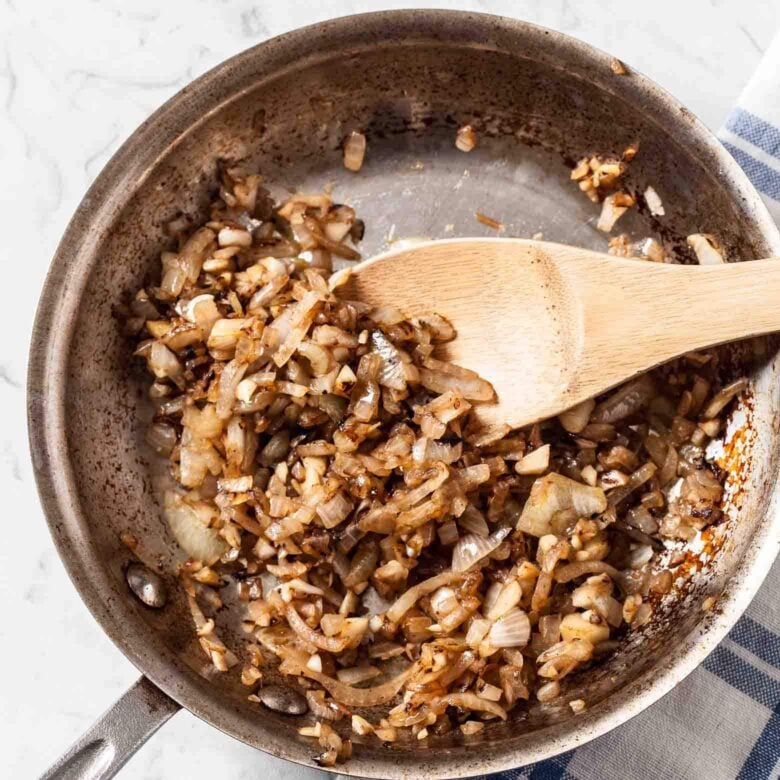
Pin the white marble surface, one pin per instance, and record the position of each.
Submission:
(76, 78)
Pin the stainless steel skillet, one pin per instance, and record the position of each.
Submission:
(538, 100)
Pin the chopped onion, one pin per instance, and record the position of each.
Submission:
(335, 510)
(392, 372)
(471, 549)
(358, 674)
(193, 309)
(549, 629)
(706, 249)
(229, 236)
(582, 626)
(194, 252)
(465, 138)
(638, 478)
(354, 151)
(640, 556)
(536, 462)
(505, 598)
(549, 691)
(267, 293)
(189, 525)
(473, 521)
(473, 476)
(325, 457)
(346, 694)
(578, 649)
(589, 475)
(443, 601)
(320, 359)
(442, 377)
(611, 212)
(351, 634)
(512, 630)
(654, 203)
(651, 249)
(236, 484)
(229, 380)
(225, 333)
(555, 493)
(410, 597)
(470, 701)
(478, 630)
(625, 401)
(322, 710)
(575, 419)
(578, 568)
(164, 364)
(723, 397)
(428, 450)
(362, 565)
(339, 223)
(448, 533)
(161, 437)
(402, 501)
(596, 594)
(291, 326)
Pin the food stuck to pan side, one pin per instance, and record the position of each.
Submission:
(388, 552)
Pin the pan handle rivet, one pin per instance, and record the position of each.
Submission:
(146, 585)
(282, 699)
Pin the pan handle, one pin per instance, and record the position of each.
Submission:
(117, 735)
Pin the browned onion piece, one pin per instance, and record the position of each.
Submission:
(402, 501)
(470, 701)
(409, 598)
(328, 643)
(719, 401)
(330, 711)
(625, 401)
(392, 373)
(472, 548)
(193, 253)
(354, 151)
(571, 571)
(555, 493)
(347, 694)
(454, 671)
(550, 629)
(443, 377)
(638, 478)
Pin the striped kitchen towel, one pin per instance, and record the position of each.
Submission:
(723, 721)
(752, 130)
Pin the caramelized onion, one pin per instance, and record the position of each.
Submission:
(625, 401)
(410, 597)
(328, 643)
(470, 701)
(573, 570)
(471, 549)
(347, 694)
(555, 493)
(323, 454)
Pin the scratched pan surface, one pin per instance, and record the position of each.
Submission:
(539, 101)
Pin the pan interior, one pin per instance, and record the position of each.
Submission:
(285, 115)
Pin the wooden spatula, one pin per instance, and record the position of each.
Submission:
(552, 325)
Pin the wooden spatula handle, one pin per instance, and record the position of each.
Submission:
(673, 309)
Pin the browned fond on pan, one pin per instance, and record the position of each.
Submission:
(407, 79)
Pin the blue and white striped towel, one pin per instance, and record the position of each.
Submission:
(723, 721)
(752, 130)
